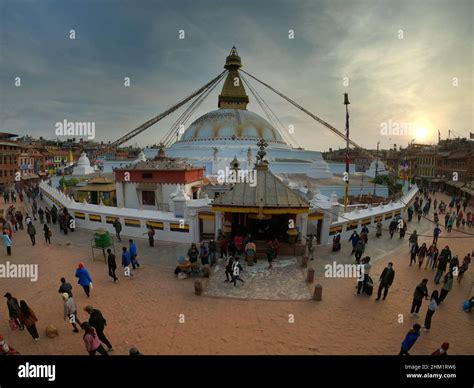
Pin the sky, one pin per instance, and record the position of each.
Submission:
(406, 65)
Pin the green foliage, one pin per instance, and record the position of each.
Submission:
(391, 182)
(68, 182)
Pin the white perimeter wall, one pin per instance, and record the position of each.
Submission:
(52, 195)
(162, 194)
(357, 216)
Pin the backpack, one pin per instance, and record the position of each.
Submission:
(369, 286)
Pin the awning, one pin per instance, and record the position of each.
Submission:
(237, 209)
(455, 184)
(207, 216)
(98, 187)
(468, 190)
(29, 176)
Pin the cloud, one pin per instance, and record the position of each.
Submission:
(406, 80)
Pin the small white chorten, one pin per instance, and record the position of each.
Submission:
(83, 166)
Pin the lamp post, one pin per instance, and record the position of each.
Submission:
(376, 165)
(346, 175)
(362, 185)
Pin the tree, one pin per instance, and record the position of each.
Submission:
(69, 182)
(391, 182)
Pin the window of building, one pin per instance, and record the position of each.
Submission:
(147, 175)
(148, 198)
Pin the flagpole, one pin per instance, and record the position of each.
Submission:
(346, 178)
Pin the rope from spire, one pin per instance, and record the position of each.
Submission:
(316, 118)
(130, 135)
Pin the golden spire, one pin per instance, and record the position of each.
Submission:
(233, 95)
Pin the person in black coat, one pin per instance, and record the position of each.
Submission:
(421, 291)
(118, 228)
(386, 280)
(193, 253)
(112, 264)
(413, 252)
(54, 214)
(65, 288)
(392, 227)
(98, 322)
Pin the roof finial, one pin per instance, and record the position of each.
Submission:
(233, 95)
(262, 144)
(235, 164)
(161, 150)
(233, 61)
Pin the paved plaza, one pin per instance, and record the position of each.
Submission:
(272, 313)
(285, 281)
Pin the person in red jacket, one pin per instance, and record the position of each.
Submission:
(5, 349)
(421, 254)
(238, 240)
(442, 351)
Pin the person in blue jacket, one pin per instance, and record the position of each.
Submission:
(85, 279)
(133, 254)
(354, 239)
(8, 243)
(410, 340)
(126, 261)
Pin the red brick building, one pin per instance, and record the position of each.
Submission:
(9, 151)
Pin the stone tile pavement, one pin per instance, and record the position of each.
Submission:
(285, 281)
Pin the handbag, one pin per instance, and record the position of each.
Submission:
(13, 324)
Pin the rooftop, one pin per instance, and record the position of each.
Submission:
(108, 187)
(268, 192)
(101, 180)
(7, 135)
(160, 164)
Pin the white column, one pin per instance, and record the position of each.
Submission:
(304, 224)
(218, 224)
(327, 219)
(193, 220)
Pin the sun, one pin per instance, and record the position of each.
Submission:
(421, 133)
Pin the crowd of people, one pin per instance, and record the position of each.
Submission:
(14, 219)
(446, 268)
(232, 249)
(21, 315)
